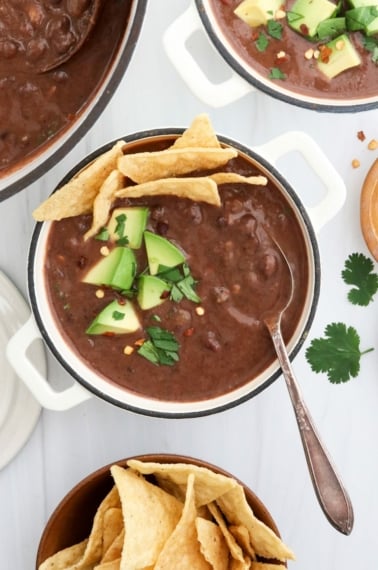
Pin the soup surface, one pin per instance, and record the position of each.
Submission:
(37, 105)
(288, 55)
(231, 256)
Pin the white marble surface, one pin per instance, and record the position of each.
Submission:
(257, 441)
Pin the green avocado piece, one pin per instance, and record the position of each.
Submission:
(343, 56)
(116, 270)
(257, 12)
(161, 253)
(305, 15)
(130, 223)
(115, 319)
(152, 291)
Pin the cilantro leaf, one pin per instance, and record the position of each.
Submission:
(161, 348)
(182, 283)
(274, 29)
(371, 44)
(276, 73)
(262, 42)
(358, 271)
(338, 353)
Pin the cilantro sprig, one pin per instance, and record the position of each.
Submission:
(337, 354)
(358, 271)
(182, 283)
(161, 348)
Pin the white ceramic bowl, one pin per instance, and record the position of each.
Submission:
(88, 381)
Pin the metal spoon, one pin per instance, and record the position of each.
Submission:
(332, 496)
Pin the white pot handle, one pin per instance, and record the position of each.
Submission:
(298, 141)
(213, 94)
(38, 385)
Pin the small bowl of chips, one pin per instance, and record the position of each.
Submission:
(161, 511)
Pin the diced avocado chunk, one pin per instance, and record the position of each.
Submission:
(130, 223)
(161, 253)
(328, 29)
(305, 15)
(257, 12)
(343, 55)
(115, 319)
(361, 3)
(116, 270)
(364, 18)
(152, 291)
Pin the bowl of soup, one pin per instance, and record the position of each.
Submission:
(176, 509)
(60, 63)
(318, 54)
(150, 294)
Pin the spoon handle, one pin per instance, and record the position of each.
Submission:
(331, 494)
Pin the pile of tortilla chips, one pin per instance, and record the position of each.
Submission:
(188, 518)
(115, 174)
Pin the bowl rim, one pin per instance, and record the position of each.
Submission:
(70, 136)
(103, 473)
(179, 409)
(270, 88)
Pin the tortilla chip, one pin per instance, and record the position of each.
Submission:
(103, 202)
(182, 549)
(150, 516)
(234, 548)
(114, 551)
(198, 189)
(112, 565)
(241, 535)
(212, 543)
(199, 134)
(93, 551)
(265, 542)
(240, 564)
(65, 558)
(208, 484)
(112, 528)
(77, 196)
(233, 177)
(146, 166)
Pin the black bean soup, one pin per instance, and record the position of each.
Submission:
(231, 256)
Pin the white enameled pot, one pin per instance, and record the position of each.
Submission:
(88, 382)
(243, 78)
(41, 160)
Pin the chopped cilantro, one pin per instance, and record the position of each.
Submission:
(358, 271)
(182, 283)
(274, 29)
(118, 316)
(262, 42)
(161, 348)
(276, 73)
(371, 44)
(293, 16)
(338, 354)
(122, 241)
(103, 235)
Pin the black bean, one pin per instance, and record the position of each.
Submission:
(211, 342)
(77, 7)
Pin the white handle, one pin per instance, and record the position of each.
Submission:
(38, 385)
(298, 141)
(213, 94)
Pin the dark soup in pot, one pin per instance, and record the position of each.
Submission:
(38, 101)
(318, 48)
(165, 298)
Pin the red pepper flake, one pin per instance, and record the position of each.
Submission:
(139, 342)
(108, 333)
(165, 295)
(324, 53)
(361, 136)
(121, 301)
(304, 29)
(189, 332)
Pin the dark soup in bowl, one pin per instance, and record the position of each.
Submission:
(160, 287)
(319, 49)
